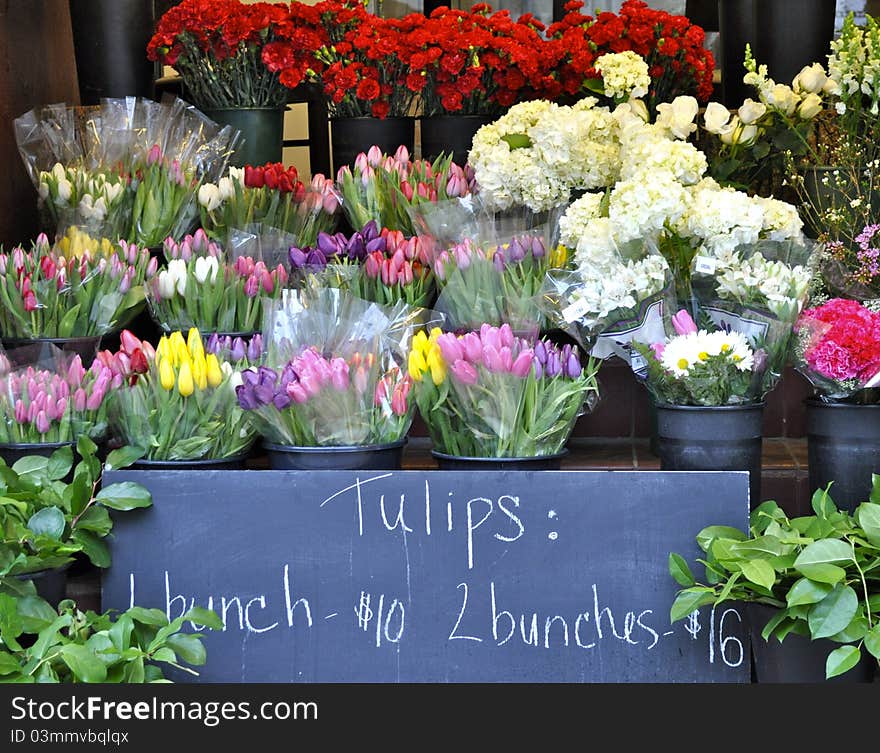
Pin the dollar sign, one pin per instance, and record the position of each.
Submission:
(363, 612)
(693, 624)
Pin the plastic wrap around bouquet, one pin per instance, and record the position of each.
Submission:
(337, 394)
(492, 399)
(386, 188)
(202, 288)
(127, 168)
(75, 289)
(838, 351)
(51, 403)
(179, 407)
(382, 266)
(273, 196)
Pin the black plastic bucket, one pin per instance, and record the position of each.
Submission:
(23, 352)
(235, 463)
(12, 453)
(843, 446)
(375, 457)
(350, 136)
(462, 463)
(50, 584)
(723, 438)
(445, 134)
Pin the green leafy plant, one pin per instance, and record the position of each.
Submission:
(46, 520)
(40, 644)
(820, 572)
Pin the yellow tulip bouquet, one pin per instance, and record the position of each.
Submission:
(184, 406)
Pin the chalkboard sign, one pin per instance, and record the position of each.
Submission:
(437, 576)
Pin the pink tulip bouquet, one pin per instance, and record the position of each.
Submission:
(384, 188)
(491, 394)
(45, 293)
(45, 405)
(201, 289)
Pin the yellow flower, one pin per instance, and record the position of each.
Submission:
(725, 347)
(166, 373)
(420, 340)
(437, 365)
(435, 334)
(416, 364)
(704, 356)
(214, 372)
(194, 343)
(682, 363)
(200, 372)
(185, 384)
(177, 348)
(559, 256)
(163, 349)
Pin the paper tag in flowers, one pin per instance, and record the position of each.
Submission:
(646, 328)
(754, 330)
(873, 381)
(705, 265)
(576, 310)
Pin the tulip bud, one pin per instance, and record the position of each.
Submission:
(464, 372)
(42, 423)
(185, 384)
(166, 374)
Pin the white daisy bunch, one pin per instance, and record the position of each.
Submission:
(757, 281)
(685, 354)
(625, 75)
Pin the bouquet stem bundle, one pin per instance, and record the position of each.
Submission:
(47, 294)
(493, 395)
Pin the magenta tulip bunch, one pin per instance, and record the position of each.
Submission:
(41, 405)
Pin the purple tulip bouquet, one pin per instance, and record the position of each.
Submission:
(490, 394)
(201, 289)
(44, 405)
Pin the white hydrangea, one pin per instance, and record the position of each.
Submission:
(625, 75)
(646, 152)
(641, 207)
(721, 219)
(782, 221)
(573, 224)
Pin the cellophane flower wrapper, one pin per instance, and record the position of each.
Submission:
(491, 394)
(54, 399)
(338, 375)
(201, 287)
(260, 242)
(387, 188)
(271, 195)
(48, 294)
(758, 290)
(181, 404)
(607, 302)
(837, 348)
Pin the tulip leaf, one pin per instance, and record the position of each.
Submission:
(841, 660)
(123, 457)
(126, 495)
(834, 612)
(680, 571)
(68, 322)
(47, 522)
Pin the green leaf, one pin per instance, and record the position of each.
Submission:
(134, 671)
(77, 493)
(103, 649)
(123, 457)
(127, 495)
(827, 551)
(822, 503)
(855, 631)
(760, 547)
(8, 663)
(31, 464)
(823, 573)
(49, 636)
(875, 489)
(204, 617)
(841, 660)
(704, 537)
(35, 614)
(60, 463)
(689, 601)
(47, 522)
(806, 591)
(86, 447)
(680, 571)
(93, 547)
(868, 515)
(148, 616)
(517, 141)
(834, 612)
(10, 622)
(68, 321)
(778, 616)
(760, 572)
(872, 641)
(83, 663)
(188, 647)
(120, 633)
(163, 654)
(96, 519)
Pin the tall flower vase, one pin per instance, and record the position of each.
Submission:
(445, 134)
(262, 129)
(708, 438)
(843, 446)
(350, 136)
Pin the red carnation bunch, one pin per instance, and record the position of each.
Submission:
(229, 53)
(475, 63)
(671, 45)
(839, 347)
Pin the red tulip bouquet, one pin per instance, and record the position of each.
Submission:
(338, 373)
(384, 187)
(55, 401)
(490, 394)
(379, 266)
(271, 195)
(45, 293)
